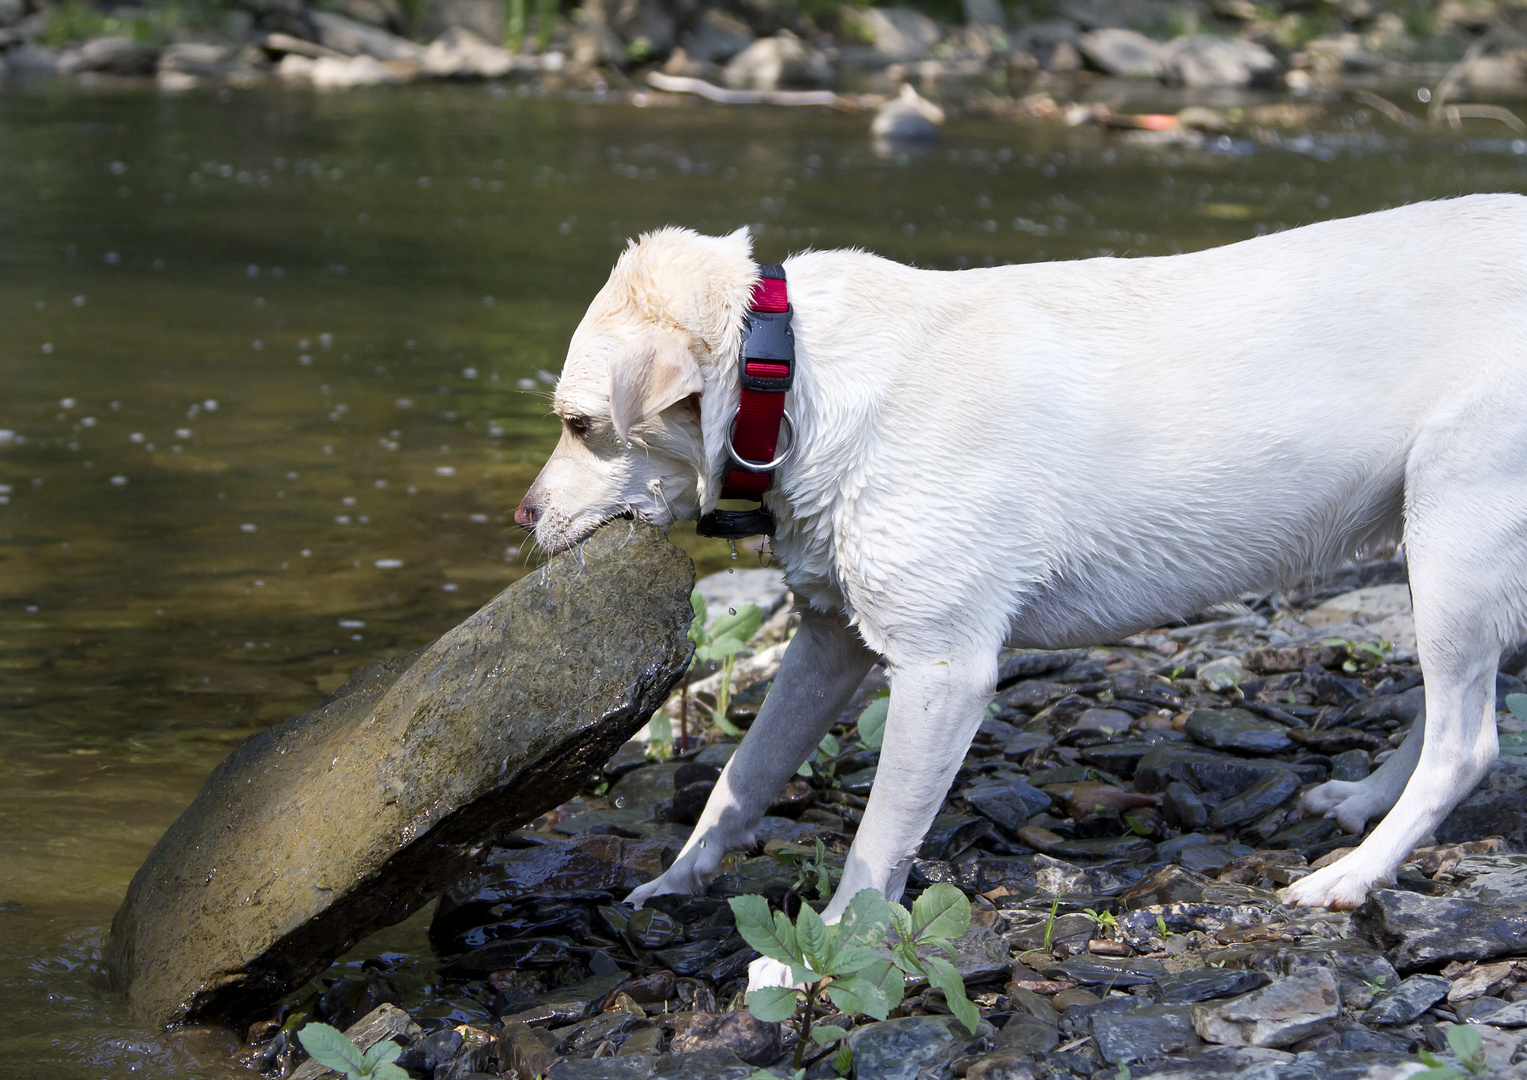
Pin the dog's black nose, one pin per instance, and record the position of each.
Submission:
(526, 514)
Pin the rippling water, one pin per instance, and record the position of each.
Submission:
(275, 374)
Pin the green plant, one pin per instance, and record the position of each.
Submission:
(1050, 925)
(514, 24)
(821, 762)
(1161, 928)
(872, 722)
(1468, 1047)
(719, 640)
(333, 1049)
(1103, 920)
(811, 868)
(843, 1064)
(848, 963)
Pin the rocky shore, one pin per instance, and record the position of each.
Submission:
(1120, 826)
(1025, 59)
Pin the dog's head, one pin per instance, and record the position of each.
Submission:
(639, 394)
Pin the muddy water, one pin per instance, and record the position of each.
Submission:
(275, 374)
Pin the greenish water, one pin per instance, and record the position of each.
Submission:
(275, 364)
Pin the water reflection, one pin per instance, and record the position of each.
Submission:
(275, 371)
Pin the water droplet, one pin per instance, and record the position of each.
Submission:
(731, 611)
(733, 545)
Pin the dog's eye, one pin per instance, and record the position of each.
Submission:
(577, 426)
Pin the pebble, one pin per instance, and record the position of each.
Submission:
(1408, 1000)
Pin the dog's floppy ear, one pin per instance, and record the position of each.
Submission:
(648, 375)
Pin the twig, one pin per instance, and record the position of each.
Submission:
(680, 84)
(1396, 114)
(1449, 84)
(1456, 113)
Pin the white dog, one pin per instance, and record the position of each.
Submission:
(1062, 454)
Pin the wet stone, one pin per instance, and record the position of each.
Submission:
(1093, 971)
(505, 955)
(1028, 1035)
(1151, 689)
(1497, 807)
(1267, 794)
(752, 1040)
(858, 782)
(1119, 758)
(569, 1003)
(1027, 663)
(1304, 834)
(1236, 729)
(609, 1068)
(1206, 984)
(1131, 848)
(1007, 801)
(1143, 1032)
(399, 778)
(1408, 1000)
(1420, 931)
(1291, 1009)
(715, 1063)
(648, 928)
(899, 1049)
(1211, 858)
(951, 834)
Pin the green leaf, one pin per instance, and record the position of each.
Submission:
(697, 625)
(822, 1034)
(331, 1048)
(856, 995)
(865, 919)
(384, 1051)
(872, 722)
(852, 959)
(771, 935)
(941, 911)
(889, 978)
(1469, 1045)
(943, 976)
(901, 922)
(1517, 704)
(387, 1070)
(815, 941)
(843, 1064)
(773, 1003)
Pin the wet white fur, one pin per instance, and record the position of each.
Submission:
(1062, 454)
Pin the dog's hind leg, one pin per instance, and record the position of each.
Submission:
(1466, 508)
(823, 666)
(936, 708)
(1353, 803)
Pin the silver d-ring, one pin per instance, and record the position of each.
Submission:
(764, 466)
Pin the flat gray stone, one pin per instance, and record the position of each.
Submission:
(1408, 1000)
(1237, 729)
(1421, 931)
(1290, 1009)
(1144, 1032)
(323, 829)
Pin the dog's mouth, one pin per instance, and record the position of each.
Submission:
(576, 532)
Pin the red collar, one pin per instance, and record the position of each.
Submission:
(768, 370)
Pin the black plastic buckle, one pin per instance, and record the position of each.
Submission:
(736, 524)
(768, 336)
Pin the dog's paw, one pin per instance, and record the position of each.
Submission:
(1341, 886)
(1351, 804)
(764, 973)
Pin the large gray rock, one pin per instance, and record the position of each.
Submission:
(1117, 51)
(1201, 60)
(774, 62)
(357, 39)
(332, 825)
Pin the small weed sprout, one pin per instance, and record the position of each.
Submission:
(720, 639)
(848, 962)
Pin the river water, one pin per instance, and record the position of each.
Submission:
(275, 369)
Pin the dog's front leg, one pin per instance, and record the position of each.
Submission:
(936, 708)
(823, 666)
